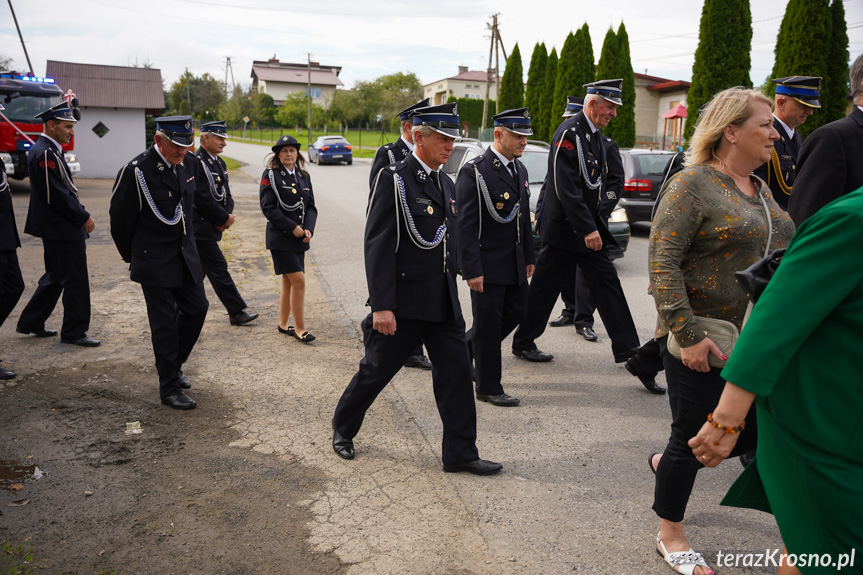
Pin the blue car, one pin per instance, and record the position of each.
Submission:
(330, 150)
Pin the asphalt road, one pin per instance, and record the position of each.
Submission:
(575, 494)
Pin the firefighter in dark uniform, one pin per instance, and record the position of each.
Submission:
(573, 230)
(150, 211)
(386, 155)
(411, 263)
(11, 281)
(496, 247)
(57, 216)
(797, 98)
(208, 232)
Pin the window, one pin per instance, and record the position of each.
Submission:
(316, 92)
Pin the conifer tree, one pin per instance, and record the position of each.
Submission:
(587, 68)
(567, 79)
(722, 59)
(535, 84)
(609, 68)
(803, 46)
(549, 120)
(625, 129)
(834, 88)
(512, 84)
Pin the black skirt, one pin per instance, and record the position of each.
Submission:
(285, 262)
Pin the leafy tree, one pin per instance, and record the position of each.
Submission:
(722, 58)
(549, 121)
(803, 47)
(263, 110)
(6, 63)
(512, 84)
(398, 91)
(610, 67)
(834, 90)
(470, 111)
(625, 122)
(234, 110)
(206, 94)
(535, 83)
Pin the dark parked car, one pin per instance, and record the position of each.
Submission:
(535, 159)
(330, 150)
(643, 170)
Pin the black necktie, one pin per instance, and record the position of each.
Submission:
(512, 172)
(434, 178)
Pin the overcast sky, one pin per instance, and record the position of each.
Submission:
(365, 38)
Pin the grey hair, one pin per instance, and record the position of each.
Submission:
(590, 98)
(855, 75)
(426, 130)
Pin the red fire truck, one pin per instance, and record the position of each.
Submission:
(23, 97)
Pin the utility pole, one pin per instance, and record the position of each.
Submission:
(488, 74)
(231, 68)
(309, 95)
(188, 95)
(26, 55)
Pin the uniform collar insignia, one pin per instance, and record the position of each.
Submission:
(404, 153)
(283, 172)
(421, 175)
(587, 137)
(393, 168)
(160, 166)
(210, 160)
(134, 162)
(496, 163)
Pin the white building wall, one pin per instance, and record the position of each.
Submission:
(103, 157)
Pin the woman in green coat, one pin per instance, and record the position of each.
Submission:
(798, 358)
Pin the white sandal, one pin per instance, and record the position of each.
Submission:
(684, 562)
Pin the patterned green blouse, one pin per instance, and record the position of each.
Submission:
(704, 230)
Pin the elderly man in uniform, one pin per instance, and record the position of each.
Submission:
(209, 224)
(153, 196)
(385, 156)
(57, 216)
(573, 230)
(495, 247)
(830, 164)
(411, 263)
(796, 100)
(11, 281)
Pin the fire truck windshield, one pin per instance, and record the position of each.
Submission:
(24, 107)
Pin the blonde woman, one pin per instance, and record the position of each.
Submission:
(710, 222)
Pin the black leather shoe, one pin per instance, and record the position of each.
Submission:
(561, 321)
(587, 333)
(418, 361)
(6, 374)
(243, 317)
(478, 467)
(85, 341)
(184, 381)
(646, 380)
(179, 401)
(38, 332)
(624, 355)
(344, 448)
(502, 400)
(533, 355)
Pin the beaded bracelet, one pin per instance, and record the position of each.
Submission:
(724, 428)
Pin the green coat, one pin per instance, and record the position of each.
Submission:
(800, 353)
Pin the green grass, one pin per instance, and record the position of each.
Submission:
(368, 139)
(363, 153)
(230, 163)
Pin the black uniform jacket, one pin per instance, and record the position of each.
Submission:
(570, 210)
(296, 208)
(497, 251)
(55, 211)
(156, 250)
(785, 152)
(209, 210)
(829, 166)
(9, 239)
(386, 155)
(402, 277)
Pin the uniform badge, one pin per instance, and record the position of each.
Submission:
(496, 163)
(587, 137)
(499, 205)
(430, 210)
(506, 195)
(283, 172)
(610, 195)
(424, 201)
(210, 160)
(452, 205)
(421, 175)
(160, 166)
(404, 153)
(187, 125)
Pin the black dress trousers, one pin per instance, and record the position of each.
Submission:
(11, 283)
(386, 354)
(216, 269)
(66, 274)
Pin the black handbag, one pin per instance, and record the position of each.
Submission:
(754, 279)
